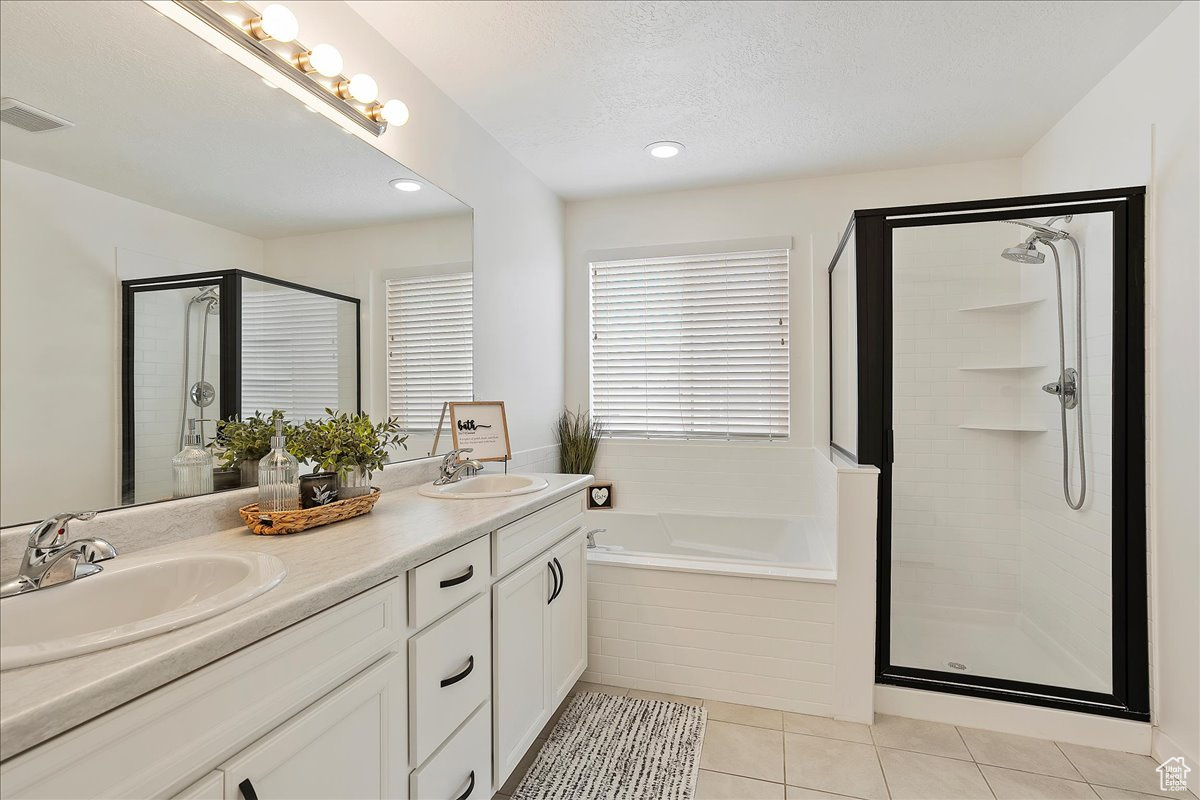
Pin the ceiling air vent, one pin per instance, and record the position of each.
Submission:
(28, 118)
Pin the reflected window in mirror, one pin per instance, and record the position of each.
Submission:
(430, 342)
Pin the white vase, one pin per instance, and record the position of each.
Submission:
(354, 483)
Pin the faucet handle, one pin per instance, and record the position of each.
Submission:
(452, 456)
(52, 532)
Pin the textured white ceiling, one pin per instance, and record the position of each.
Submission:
(166, 119)
(756, 90)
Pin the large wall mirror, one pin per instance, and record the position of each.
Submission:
(197, 245)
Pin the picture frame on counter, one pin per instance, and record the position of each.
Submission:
(482, 426)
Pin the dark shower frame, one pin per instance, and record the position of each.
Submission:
(229, 282)
(872, 230)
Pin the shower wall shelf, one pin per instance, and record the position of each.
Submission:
(1014, 305)
(1019, 427)
(990, 367)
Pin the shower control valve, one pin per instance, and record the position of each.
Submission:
(1066, 388)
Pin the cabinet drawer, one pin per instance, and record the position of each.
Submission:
(443, 584)
(450, 674)
(516, 543)
(462, 769)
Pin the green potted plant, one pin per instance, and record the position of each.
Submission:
(578, 441)
(349, 445)
(243, 442)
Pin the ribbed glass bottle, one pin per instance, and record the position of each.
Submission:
(278, 476)
(192, 467)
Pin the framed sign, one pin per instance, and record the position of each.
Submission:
(600, 496)
(483, 427)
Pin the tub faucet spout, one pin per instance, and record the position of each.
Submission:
(591, 537)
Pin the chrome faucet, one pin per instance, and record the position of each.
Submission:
(591, 537)
(52, 558)
(454, 470)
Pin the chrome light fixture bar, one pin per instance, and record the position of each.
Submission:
(248, 34)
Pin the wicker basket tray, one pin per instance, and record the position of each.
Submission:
(279, 522)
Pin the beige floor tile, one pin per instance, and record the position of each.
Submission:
(498, 796)
(744, 715)
(800, 793)
(584, 686)
(523, 766)
(918, 776)
(1112, 793)
(1116, 769)
(833, 765)
(1009, 784)
(670, 698)
(743, 750)
(719, 786)
(931, 738)
(1018, 752)
(829, 728)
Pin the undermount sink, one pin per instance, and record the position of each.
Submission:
(133, 598)
(483, 486)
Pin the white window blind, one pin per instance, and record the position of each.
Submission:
(430, 338)
(692, 347)
(289, 352)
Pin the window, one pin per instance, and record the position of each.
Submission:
(692, 347)
(430, 339)
(290, 349)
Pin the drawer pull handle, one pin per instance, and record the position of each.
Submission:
(470, 787)
(247, 790)
(453, 679)
(562, 580)
(455, 581)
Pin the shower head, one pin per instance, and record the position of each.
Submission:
(1024, 253)
(210, 296)
(1040, 231)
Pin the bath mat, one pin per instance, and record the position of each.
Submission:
(618, 748)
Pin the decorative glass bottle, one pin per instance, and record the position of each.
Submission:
(192, 466)
(278, 476)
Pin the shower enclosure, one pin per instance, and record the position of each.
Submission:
(988, 357)
(208, 346)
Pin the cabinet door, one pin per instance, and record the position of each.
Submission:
(568, 617)
(350, 745)
(521, 665)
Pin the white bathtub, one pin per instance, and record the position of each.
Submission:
(762, 546)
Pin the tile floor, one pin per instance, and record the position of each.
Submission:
(760, 754)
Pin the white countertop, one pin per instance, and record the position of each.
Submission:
(324, 567)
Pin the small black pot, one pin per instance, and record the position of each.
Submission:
(318, 489)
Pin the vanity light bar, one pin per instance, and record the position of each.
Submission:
(317, 70)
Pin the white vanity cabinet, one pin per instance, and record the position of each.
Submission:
(539, 628)
(431, 685)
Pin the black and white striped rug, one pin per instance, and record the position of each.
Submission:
(618, 748)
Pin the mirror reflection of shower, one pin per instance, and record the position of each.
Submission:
(1068, 387)
(199, 392)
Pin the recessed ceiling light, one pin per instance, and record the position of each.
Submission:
(406, 185)
(664, 149)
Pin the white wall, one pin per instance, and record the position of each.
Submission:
(518, 224)
(60, 346)
(1139, 126)
(813, 211)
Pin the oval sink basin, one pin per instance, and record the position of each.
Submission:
(133, 598)
(483, 486)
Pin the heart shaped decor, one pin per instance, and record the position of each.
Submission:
(600, 495)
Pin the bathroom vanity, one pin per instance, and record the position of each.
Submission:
(417, 652)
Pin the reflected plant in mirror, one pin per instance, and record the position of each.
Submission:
(350, 445)
(240, 443)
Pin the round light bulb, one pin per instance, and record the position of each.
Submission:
(394, 112)
(362, 87)
(325, 59)
(278, 23)
(664, 149)
(406, 185)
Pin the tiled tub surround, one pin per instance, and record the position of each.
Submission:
(325, 566)
(795, 637)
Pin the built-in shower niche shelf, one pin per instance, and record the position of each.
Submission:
(1012, 305)
(999, 367)
(1018, 427)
